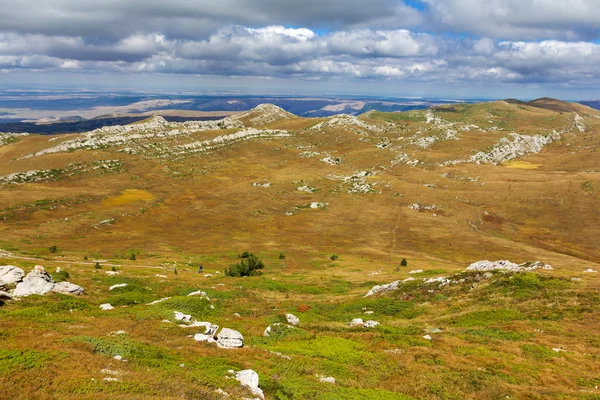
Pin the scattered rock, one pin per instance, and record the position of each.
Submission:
(378, 289)
(360, 322)
(157, 301)
(416, 271)
(118, 285)
(326, 379)
(10, 275)
(199, 293)
(37, 281)
(179, 316)
(112, 273)
(229, 339)
(67, 288)
(589, 270)
(427, 337)
(433, 330)
(209, 333)
(106, 307)
(292, 319)
(371, 324)
(249, 378)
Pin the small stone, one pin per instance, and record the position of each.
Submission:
(427, 337)
(117, 286)
(371, 324)
(106, 307)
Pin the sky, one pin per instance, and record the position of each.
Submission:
(435, 48)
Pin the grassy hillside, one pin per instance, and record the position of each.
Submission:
(442, 187)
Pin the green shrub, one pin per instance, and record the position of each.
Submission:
(487, 317)
(98, 266)
(250, 265)
(132, 256)
(281, 256)
(60, 276)
(334, 257)
(53, 249)
(403, 263)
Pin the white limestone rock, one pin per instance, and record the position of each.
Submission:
(209, 332)
(292, 319)
(356, 322)
(118, 285)
(10, 275)
(378, 289)
(106, 307)
(68, 288)
(371, 324)
(230, 339)
(179, 316)
(505, 265)
(250, 379)
(37, 281)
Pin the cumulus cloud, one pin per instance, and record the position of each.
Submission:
(518, 19)
(502, 41)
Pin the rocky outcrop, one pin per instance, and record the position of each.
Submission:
(360, 322)
(37, 281)
(378, 289)
(230, 339)
(10, 275)
(250, 379)
(505, 265)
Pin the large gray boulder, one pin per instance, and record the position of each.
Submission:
(10, 275)
(5, 295)
(67, 288)
(229, 339)
(37, 281)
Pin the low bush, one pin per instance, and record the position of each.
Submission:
(250, 265)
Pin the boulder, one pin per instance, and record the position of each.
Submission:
(356, 322)
(505, 265)
(37, 281)
(229, 339)
(106, 307)
(67, 288)
(249, 378)
(292, 319)
(10, 275)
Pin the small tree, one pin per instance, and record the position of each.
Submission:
(98, 266)
(403, 263)
(281, 256)
(114, 269)
(248, 266)
(333, 257)
(132, 256)
(53, 249)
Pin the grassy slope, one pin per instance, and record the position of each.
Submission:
(496, 340)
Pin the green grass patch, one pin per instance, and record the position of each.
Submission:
(124, 346)
(495, 334)
(487, 317)
(539, 353)
(12, 360)
(335, 349)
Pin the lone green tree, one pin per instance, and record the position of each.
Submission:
(403, 263)
(249, 265)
